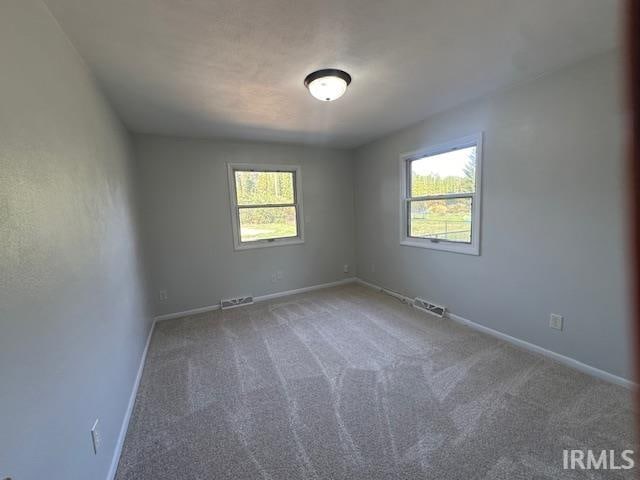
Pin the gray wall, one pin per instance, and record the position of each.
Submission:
(553, 215)
(73, 321)
(187, 221)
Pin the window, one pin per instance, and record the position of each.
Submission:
(441, 196)
(266, 205)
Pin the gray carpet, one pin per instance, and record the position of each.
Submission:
(348, 383)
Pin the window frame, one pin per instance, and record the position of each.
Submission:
(472, 248)
(238, 244)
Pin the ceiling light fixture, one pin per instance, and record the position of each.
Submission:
(328, 84)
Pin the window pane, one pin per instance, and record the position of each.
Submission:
(448, 219)
(264, 223)
(264, 188)
(450, 172)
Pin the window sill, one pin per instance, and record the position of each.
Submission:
(464, 249)
(264, 244)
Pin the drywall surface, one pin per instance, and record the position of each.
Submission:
(553, 215)
(186, 216)
(73, 319)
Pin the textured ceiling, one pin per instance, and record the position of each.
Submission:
(234, 68)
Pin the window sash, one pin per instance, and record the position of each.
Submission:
(272, 239)
(407, 209)
(408, 178)
(237, 207)
(265, 170)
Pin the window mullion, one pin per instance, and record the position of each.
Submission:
(268, 205)
(444, 196)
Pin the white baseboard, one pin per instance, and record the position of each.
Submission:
(186, 313)
(261, 298)
(271, 296)
(127, 416)
(399, 296)
(532, 347)
(568, 361)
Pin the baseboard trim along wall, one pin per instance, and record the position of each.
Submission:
(186, 313)
(127, 416)
(568, 361)
(397, 295)
(260, 298)
(271, 296)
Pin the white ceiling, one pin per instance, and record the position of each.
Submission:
(235, 68)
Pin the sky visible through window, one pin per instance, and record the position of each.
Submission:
(447, 164)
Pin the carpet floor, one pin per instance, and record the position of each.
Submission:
(348, 383)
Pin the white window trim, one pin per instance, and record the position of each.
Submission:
(472, 248)
(235, 221)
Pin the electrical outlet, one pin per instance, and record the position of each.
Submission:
(96, 440)
(345, 269)
(163, 295)
(279, 275)
(373, 268)
(555, 321)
